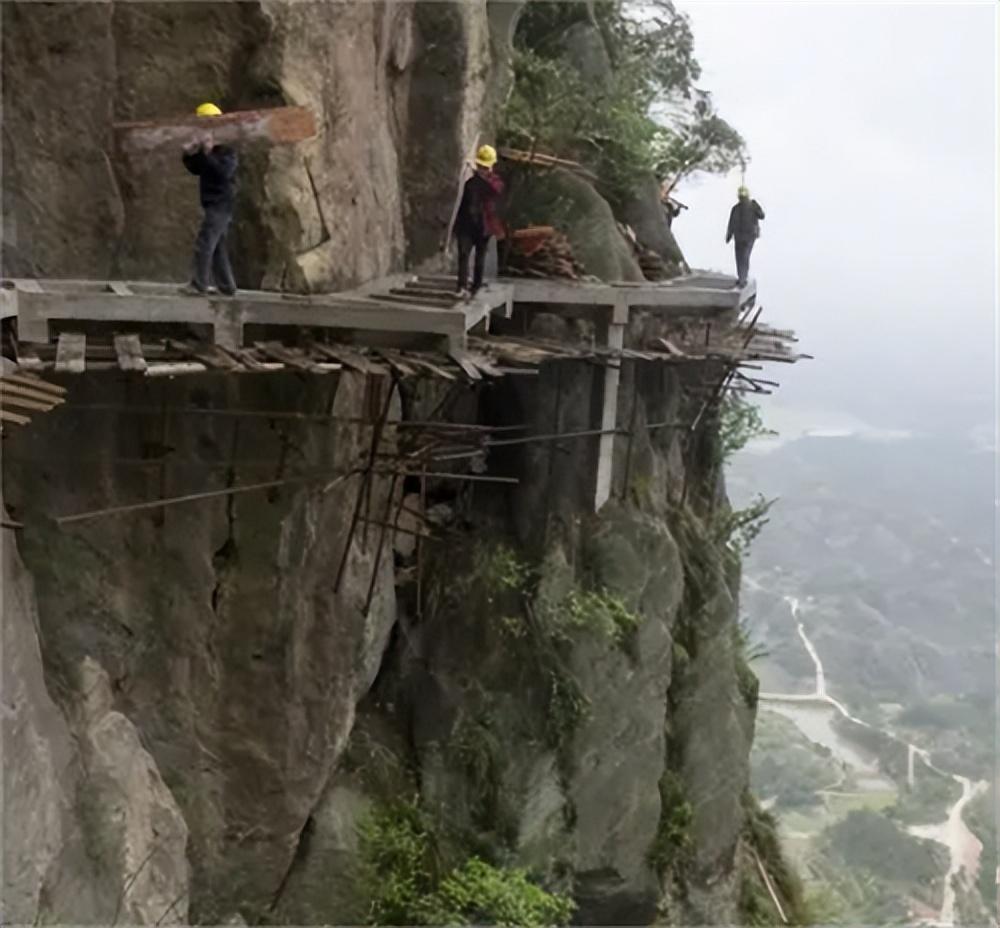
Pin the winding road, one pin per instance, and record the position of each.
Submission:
(964, 848)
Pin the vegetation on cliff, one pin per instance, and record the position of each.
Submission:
(612, 83)
(402, 874)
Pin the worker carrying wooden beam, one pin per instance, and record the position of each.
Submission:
(215, 167)
(212, 156)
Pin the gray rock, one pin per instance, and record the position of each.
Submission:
(569, 202)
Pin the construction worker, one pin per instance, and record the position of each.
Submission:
(744, 226)
(215, 167)
(476, 221)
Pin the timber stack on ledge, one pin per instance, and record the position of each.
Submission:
(399, 327)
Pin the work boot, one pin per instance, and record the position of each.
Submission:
(192, 289)
(227, 292)
(462, 293)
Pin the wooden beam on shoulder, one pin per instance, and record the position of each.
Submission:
(283, 125)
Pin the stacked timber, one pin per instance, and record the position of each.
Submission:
(542, 251)
(650, 263)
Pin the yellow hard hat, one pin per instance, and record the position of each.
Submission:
(743, 192)
(486, 156)
(208, 109)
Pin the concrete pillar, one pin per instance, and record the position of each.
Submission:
(614, 337)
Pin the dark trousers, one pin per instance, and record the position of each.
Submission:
(211, 259)
(466, 245)
(743, 249)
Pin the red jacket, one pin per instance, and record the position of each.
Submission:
(477, 213)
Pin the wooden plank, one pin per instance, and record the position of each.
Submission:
(483, 363)
(129, 351)
(170, 369)
(435, 369)
(14, 417)
(119, 289)
(398, 364)
(211, 355)
(290, 356)
(8, 400)
(352, 360)
(28, 360)
(670, 347)
(283, 125)
(35, 383)
(71, 353)
(13, 389)
(462, 360)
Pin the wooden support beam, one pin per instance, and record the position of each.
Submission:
(21, 403)
(129, 352)
(15, 389)
(6, 416)
(35, 383)
(283, 125)
(71, 353)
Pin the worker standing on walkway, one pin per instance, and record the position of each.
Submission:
(744, 226)
(477, 222)
(215, 167)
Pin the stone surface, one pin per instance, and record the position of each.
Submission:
(133, 818)
(226, 645)
(571, 204)
(40, 763)
(643, 212)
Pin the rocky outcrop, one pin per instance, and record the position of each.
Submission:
(93, 833)
(570, 203)
(218, 625)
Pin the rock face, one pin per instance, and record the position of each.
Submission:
(218, 625)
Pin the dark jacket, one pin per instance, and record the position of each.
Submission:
(477, 213)
(744, 221)
(216, 170)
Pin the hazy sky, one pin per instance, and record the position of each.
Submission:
(872, 133)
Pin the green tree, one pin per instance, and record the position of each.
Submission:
(646, 117)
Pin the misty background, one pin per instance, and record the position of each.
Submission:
(871, 130)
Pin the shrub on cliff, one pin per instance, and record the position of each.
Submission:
(612, 83)
(400, 874)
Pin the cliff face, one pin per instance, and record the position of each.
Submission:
(197, 718)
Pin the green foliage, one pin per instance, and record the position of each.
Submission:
(739, 423)
(980, 817)
(743, 639)
(928, 800)
(737, 528)
(497, 569)
(568, 707)
(599, 612)
(761, 833)
(645, 116)
(868, 840)
(479, 894)
(673, 832)
(396, 862)
(399, 874)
